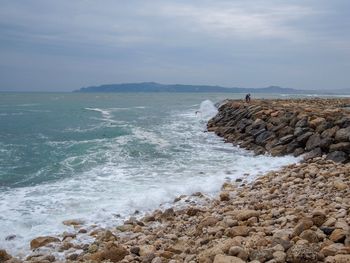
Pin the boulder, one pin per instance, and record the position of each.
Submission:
(313, 142)
(330, 133)
(317, 152)
(300, 131)
(42, 241)
(278, 150)
(304, 137)
(341, 146)
(316, 122)
(337, 156)
(264, 137)
(302, 123)
(343, 135)
(325, 143)
(286, 139)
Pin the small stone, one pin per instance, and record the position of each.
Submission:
(73, 222)
(334, 249)
(303, 224)
(310, 236)
(227, 259)
(192, 211)
(238, 231)
(135, 250)
(246, 214)
(302, 254)
(224, 196)
(279, 256)
(327, 230)
(318, 218)
(338, 259)
(238, 252)
(340, 185)
(261, 254)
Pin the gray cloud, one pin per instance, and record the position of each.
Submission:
(63, 45)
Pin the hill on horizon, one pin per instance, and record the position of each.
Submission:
(157, 87)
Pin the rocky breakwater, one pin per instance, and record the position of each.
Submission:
(300, 214)
(313, 127)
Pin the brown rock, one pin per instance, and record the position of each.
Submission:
(238, 231)
(224, 196)
(302, 225)
(262, 255)
(243, 215)
(318, 218)
(112, 252)
(227, 259)
(239, 252)
(338, 259)
(310, 236)
(329, 133)
(4, 256)
(340, 185)
(338, 235)
(192, 211)
(208, 221)
(316, 122)
(334, 249)
(42, 241)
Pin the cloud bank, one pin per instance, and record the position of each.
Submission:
(64, 45)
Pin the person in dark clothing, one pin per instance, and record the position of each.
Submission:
(247, 98)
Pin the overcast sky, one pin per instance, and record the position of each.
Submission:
(64, 45)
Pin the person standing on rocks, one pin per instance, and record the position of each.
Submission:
(247, 98)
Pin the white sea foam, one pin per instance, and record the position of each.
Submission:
(187, 160)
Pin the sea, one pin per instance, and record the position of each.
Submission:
(99, 157)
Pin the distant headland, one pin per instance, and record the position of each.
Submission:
(157, 87)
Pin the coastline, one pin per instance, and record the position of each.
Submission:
(298, 214)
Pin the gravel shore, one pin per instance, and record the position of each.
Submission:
(298, 214)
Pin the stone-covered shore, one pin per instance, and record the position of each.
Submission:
(298, 214)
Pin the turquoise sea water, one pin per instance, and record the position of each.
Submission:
(92, 156)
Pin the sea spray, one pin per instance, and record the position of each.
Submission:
(207, 110)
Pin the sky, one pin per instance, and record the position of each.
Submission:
(48, 45)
